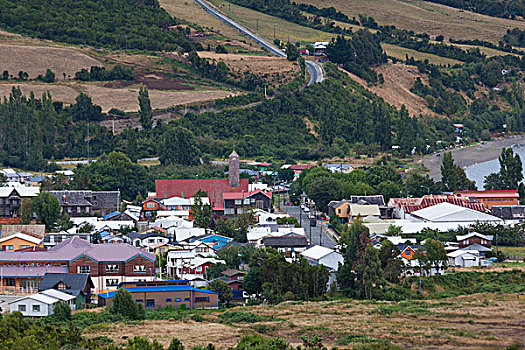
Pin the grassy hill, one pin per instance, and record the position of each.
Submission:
(425, 17)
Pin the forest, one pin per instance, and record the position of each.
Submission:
(129, 24)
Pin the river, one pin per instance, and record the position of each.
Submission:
(478, 171)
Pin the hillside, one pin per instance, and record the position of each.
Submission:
(426, 17)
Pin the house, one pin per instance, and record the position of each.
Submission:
(19, 241)
(238, 202)
(107, 264)
(85, 203)
(11, 202)
(318, 255)
(463, 258)
(78, 285)
(121, 216)
(403, 207)
(25, 277)
(183, 259)
(35, 305)
(234, 279)
(339, 168)
(53, 238)
(299, 168)
(289, 243)
(491, 198)
(339, 208)
(477, 248)
(174, 296)
(362, 210)
(256, 233)
(447, 212)
(179, 203)
(10, 174)
(216, 240)
(509, 212)
(150, 207)
(474, 238)
(146, 239)
(409, 258)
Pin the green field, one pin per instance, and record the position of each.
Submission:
(508, 250)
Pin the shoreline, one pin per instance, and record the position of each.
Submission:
(469, 155)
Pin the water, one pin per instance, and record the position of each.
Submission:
(477, 172)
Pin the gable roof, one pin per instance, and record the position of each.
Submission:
(446, 212)
(22, 236)
(460, 252)
(488, 194)
(474, 234)
(241, 195)
(285, 241)
(364, 210)
(477, 247)
(232, 272)
(317, 252)
(54, 293)
(410, 205)
(75, 282)
(110, 295)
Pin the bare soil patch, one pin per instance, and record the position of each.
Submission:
(36, 60)
(152, 81)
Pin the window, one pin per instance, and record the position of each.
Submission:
(229, 211)
(112, 268)
(139, 268)
(150, 205)
(150, 302)
(21, 308)
(83, 269)
(10, 282)
(259, 204)
(7, 247)
(202, 299)
(24, 246)
(168, 300)
(61, 285)
(238, 202)
(139, 300)
(112, 282)
(199, 269)
(177, 299)
(186, 299)
(36, 308)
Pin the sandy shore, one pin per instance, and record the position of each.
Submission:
(466, 156)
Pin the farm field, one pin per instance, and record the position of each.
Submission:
(401, 52)
(425, 17)
(479, 321)
(36, 59)
(125, 99)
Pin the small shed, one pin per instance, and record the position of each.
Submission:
(36, 305)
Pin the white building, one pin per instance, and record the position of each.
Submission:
(41, 304)
(464, 258)
(187, 255)
(319, 255)
(450, 213)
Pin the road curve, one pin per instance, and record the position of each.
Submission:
(316, 72)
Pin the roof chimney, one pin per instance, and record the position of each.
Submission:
(234, 169)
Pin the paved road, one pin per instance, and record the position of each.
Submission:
(316, 72)
(315, 234)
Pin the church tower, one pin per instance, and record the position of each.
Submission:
(234, 163)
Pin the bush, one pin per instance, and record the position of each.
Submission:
(244, 317)
(62, 311)
(126, 306)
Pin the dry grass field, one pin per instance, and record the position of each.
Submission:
(480, 321)
(401, 52)
(284, 30)
(422, 16)
(126, 99)
(61, 93)
(36, 59)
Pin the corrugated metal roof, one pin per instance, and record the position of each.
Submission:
(110, 295)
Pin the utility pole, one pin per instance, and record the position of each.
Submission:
(273, 32)
(257, 23)
(88, 141)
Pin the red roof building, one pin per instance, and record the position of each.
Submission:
(188, 188)
(405, 206)
(491, 198)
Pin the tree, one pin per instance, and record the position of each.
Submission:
(175, 344)
(510, 173)
(390, 263)
(3, 180)
(179, 146)
(393, 230)
(231, 256)
(224, 291)
(353, 243)
(145, 110)
(201, 212)
(126, 306)
(65, 223)
(419, 185)
(49, 77)
(390, 189)
(292, 53)
(436, 254)
(370, 271)
(322, 190)
(26, 211)
(84, 109)
(62, 311)
(47, 209)
(453, 177)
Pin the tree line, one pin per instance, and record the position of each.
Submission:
(502, 8)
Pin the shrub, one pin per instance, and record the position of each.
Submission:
(125, 305)
(62, 311)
